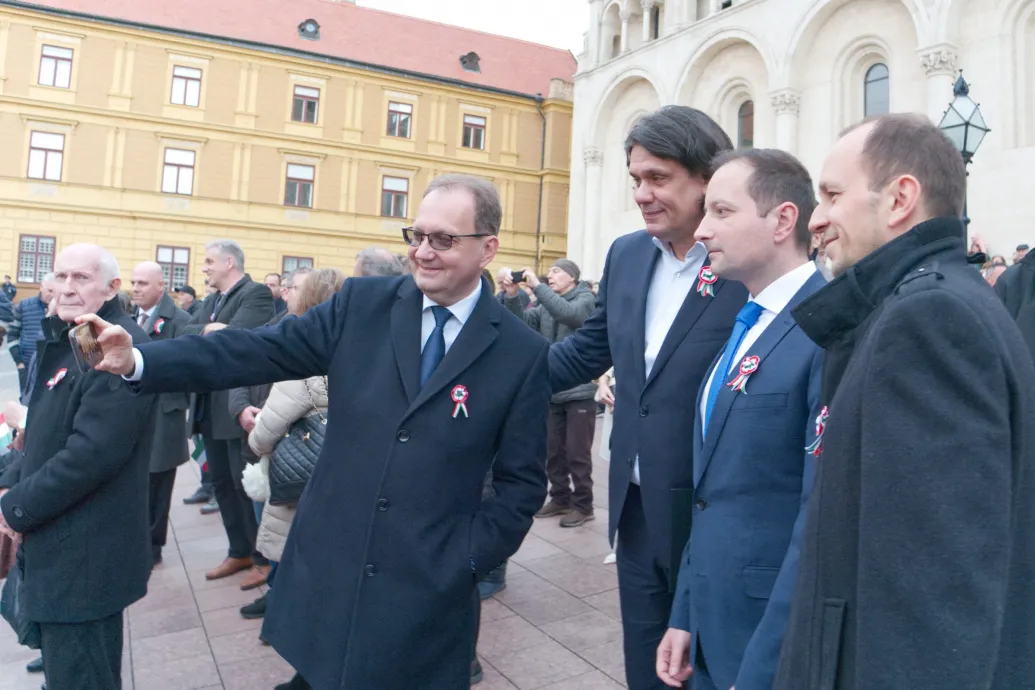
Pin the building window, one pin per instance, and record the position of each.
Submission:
(299, 188)
(56, 67)
(474, 132)
(655, 22)
(307, 102)
(394, 191)
(175, 262)
(186, 86)
(399, 115)
(291, 264)
(309, 30)
(46, 156)
(35, 258)
(470, 62)
(877, 91)
(178, 173)
(746, 125)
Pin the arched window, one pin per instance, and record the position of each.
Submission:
(746, 125)
(876, 91)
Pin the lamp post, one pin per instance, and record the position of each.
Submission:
(966, 128)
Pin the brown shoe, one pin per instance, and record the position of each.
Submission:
(552, 509)
(256, 577)
(576, 517)
(228, 568)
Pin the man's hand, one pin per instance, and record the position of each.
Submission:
(14, 414)
(509, 286)
(116, 345)
(606, 395)
(4, 527)
(213, 327)
(531, 279)
(247, 418)
(21, 365)
(673, 664)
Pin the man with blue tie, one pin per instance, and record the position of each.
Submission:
(757, 416)
(661, 316)
(432, 381)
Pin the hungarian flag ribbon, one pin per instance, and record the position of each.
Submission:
(57, 378)
(816, 447)
(706, 282)
(747, 368)
(459, 397)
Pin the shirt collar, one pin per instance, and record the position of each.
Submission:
(696, 253)
(781, 291)
(462, 309)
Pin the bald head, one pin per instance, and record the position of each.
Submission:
(148, 284)
(85, 277)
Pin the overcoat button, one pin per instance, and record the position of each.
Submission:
(370, 570)
(382, 504)
(701, 504)
(404, 436)
(644, 411)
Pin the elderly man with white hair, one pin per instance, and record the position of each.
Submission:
(78, 497)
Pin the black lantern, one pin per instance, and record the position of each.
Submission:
(965, 127)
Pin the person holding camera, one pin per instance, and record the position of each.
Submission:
(561, 307)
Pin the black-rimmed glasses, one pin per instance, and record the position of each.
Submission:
(439, 241)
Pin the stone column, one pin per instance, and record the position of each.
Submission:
(624, 15)
(786, 103)
(594, 160)
(647, 6)
(939, 63)
(594, 53)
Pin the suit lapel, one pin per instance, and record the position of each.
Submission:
(474, 338)
(650, 261)
(406, 336)
(774, 333)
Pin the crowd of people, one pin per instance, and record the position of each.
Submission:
(821, 468)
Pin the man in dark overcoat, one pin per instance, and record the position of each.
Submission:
(160, 318)
(918, 553)
(78, 496)
(432, 382)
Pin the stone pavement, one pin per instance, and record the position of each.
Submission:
(555, 626)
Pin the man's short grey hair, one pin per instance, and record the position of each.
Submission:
(228, 248)
(375, 261)
(488, 214)
(107, 265)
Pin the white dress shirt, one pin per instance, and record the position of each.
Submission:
(461, 311)
(672, 281)
(774, 299)
(145, 312)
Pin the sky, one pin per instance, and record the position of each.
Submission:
(558, 23)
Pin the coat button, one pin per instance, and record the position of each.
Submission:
(370, 570)
(701, 504)
(18, 512)
(382, 504)
(644, 411)
(403, 436)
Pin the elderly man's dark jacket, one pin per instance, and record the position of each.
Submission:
(79, 494)
(1016, 287)
(247, 305)
(169, 449)
(918, 555)
(377, 584)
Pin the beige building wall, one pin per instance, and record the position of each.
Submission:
(117, 119)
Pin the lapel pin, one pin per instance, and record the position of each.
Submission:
(57, 378)
(748, 367)
(159, 325)
(459, 398)
(816, 447)
(706, 282)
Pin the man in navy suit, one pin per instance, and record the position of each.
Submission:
(661, 316)
(757, 415)
(432, 381)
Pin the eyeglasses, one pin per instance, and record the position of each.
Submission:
(440, 241)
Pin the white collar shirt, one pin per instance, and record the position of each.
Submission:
(461, 312)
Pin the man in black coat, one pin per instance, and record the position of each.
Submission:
(1016, 287)
(239, 302)
(432, 383)
(160, 318)
(661, 317)
(78, 496)
(918, 554)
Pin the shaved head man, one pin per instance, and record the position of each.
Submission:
(148, 285)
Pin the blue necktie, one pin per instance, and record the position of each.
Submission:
(435, 348)
(746, 318)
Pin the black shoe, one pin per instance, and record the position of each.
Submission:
(202, 495)
(255, 610)
(476, 672)
(296, 683)
(494, 582)
(35, 666)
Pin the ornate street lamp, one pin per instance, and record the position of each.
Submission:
(965, 127)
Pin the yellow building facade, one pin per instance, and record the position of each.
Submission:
(154, 143)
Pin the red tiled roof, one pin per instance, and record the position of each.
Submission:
(352, 33)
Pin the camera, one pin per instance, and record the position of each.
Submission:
(517, 276)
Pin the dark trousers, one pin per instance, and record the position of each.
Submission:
(225, 465)
(83, 656)
(159, 503)
(569, 459)
(644, 596)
